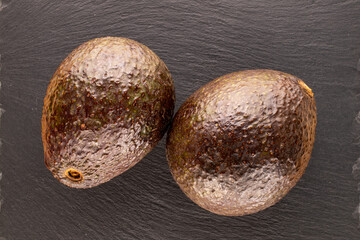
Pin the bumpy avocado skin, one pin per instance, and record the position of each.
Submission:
(107, 105)
(241, 142)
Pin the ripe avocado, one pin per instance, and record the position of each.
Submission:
(241, 142)
(107, 105)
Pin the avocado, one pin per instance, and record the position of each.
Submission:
(107, 105)
(241, 142)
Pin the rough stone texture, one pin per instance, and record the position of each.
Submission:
(108, 104)
(242, 141)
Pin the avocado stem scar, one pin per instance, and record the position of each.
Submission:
(306, 88)
(73, 175)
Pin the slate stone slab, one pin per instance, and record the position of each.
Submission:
(318, 41)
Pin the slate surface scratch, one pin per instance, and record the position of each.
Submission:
(317, 41)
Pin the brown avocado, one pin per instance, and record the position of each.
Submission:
(241, 142)
(107, 105)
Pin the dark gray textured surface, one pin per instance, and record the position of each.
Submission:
(318, 41)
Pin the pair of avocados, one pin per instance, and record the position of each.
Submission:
(235, 147)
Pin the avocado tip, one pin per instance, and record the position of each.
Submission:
(306, 88)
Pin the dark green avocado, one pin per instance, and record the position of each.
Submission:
(107, 105)
(241, 142)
